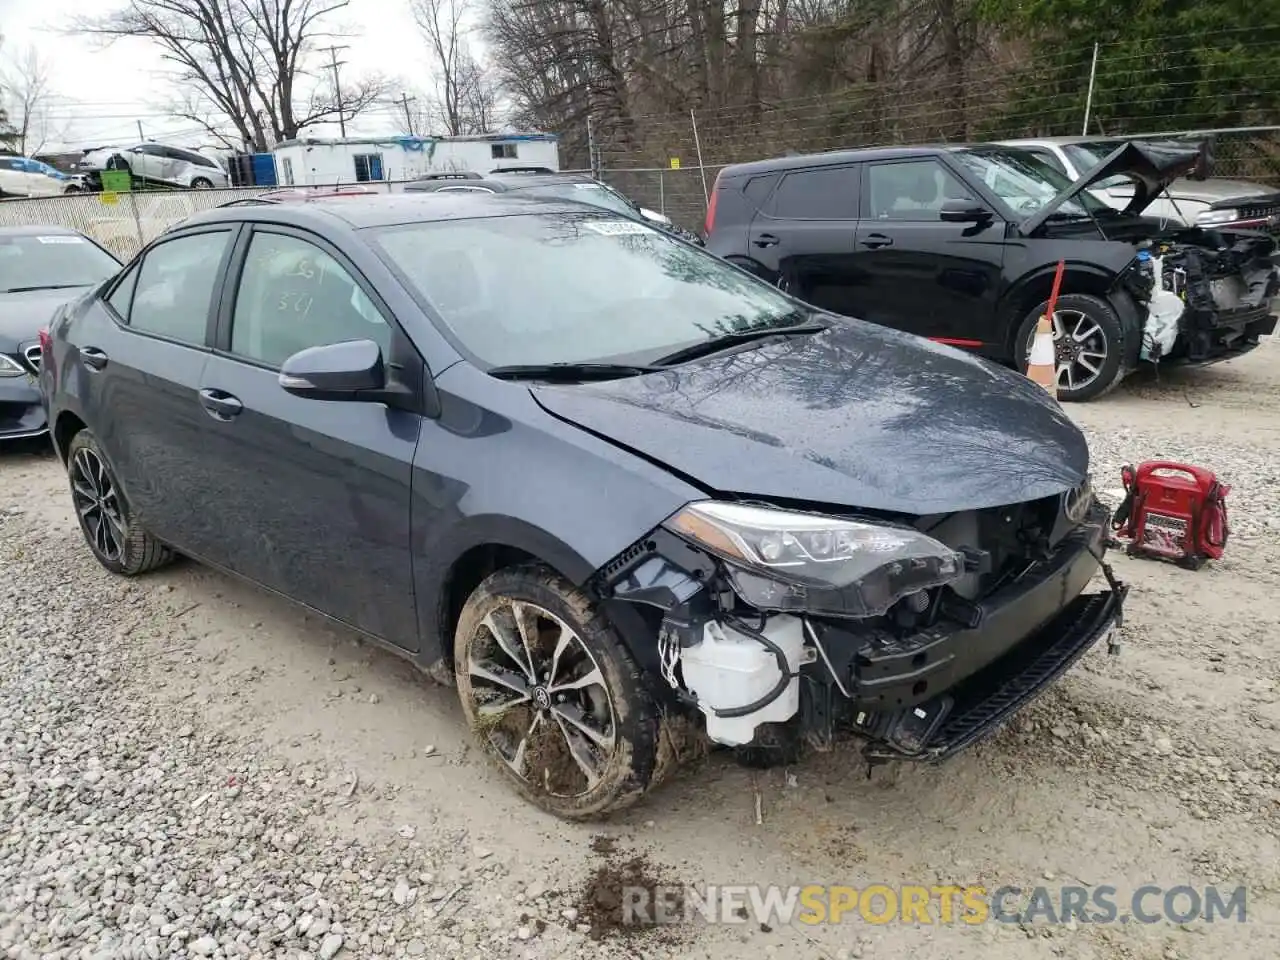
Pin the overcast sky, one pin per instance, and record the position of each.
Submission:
(102, 94)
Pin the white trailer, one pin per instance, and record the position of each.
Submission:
(307, 161)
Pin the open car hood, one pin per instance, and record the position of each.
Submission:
(1151, 164)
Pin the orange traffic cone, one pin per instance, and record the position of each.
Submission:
(1042, 367)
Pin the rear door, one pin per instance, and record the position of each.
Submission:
(804, 236)
(923, 275)
(13, 177)
(315, 493)
(141, 351)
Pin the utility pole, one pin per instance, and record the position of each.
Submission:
(334, 64)
(140, 136)
(405, 100)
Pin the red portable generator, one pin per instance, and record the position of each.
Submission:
(1173, 511)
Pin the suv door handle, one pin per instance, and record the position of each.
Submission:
(93, 358)
(219, 404)
(766, 240)
(877, 240)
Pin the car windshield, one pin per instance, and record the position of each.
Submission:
(596, 194)
(576, 288)
(36, 262)
(1026, 183)
(1085, 156)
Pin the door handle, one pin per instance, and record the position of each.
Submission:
(877, 240)
(766, 240)
(93, 358)
(219, 404)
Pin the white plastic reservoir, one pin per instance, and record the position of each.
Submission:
(729, 669)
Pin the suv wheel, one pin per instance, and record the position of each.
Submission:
(553, 695)
(109, 528)
(1088, 346)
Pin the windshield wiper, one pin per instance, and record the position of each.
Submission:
(570, 371)
(45, 286)
(706, 348)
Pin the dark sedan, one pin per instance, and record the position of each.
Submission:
(40, 269)
(611, 487)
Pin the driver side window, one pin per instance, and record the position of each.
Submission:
(912, 189)
(292, 296)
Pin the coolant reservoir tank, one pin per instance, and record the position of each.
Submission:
(729, 669)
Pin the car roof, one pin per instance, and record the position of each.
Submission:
(49, 231)
(383, 210)
(497, 182)
(1063, 141)
(835, 157)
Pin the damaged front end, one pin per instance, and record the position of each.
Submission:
(1208, 295)
(919, 636)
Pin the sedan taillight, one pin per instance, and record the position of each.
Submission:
(46, 342)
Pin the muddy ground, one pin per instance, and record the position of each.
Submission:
(191, 767)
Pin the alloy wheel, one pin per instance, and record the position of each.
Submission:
(97, 504)
(540, 700)
(1079, 348)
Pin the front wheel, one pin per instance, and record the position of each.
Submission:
(553, 695)
(1088, 346)
(201, 183)
(118, 542)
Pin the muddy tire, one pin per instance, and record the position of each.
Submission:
(1095, 363)
(553, 696)
(114, 536)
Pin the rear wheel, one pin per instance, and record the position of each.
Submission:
(1088, 346)
(553, 695)
(118, 542)
(202, 183)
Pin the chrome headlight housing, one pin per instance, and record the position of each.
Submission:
(10, 367)
(805, 562)
(1209, 218)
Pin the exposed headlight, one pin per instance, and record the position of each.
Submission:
(780, 560)
(1209, 217)
(10, 367)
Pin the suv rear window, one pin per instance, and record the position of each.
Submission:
(827, 193)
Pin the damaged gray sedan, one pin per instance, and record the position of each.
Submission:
(621, 494)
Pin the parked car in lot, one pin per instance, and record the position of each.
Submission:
(1194, 199)
(539, 182)
(610, 486)
(155, 163)
(24, 177)
(960, 244)
(40, 269)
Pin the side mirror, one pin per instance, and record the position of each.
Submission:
(351, 370)
(654, 217)
(963, 211)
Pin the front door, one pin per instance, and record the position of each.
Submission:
(803, 236)
(316, 492)
(924, 275)
(141, 357)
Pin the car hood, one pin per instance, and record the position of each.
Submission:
(23, 314)
(1151, 164)
(859, 416)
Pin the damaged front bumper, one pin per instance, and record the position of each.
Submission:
(919, 693)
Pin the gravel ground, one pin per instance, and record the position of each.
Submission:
(191, 768)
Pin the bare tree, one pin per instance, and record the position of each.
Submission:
(28, 95)
(247, 64)
(464, 98)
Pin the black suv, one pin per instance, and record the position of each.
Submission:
(960, 244)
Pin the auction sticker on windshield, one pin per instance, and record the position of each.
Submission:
(618, 228)
(61, 239)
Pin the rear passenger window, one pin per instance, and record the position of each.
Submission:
(175, 286)
(829, 193)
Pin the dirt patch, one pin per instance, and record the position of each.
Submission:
(604, 845)
(629, 896)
